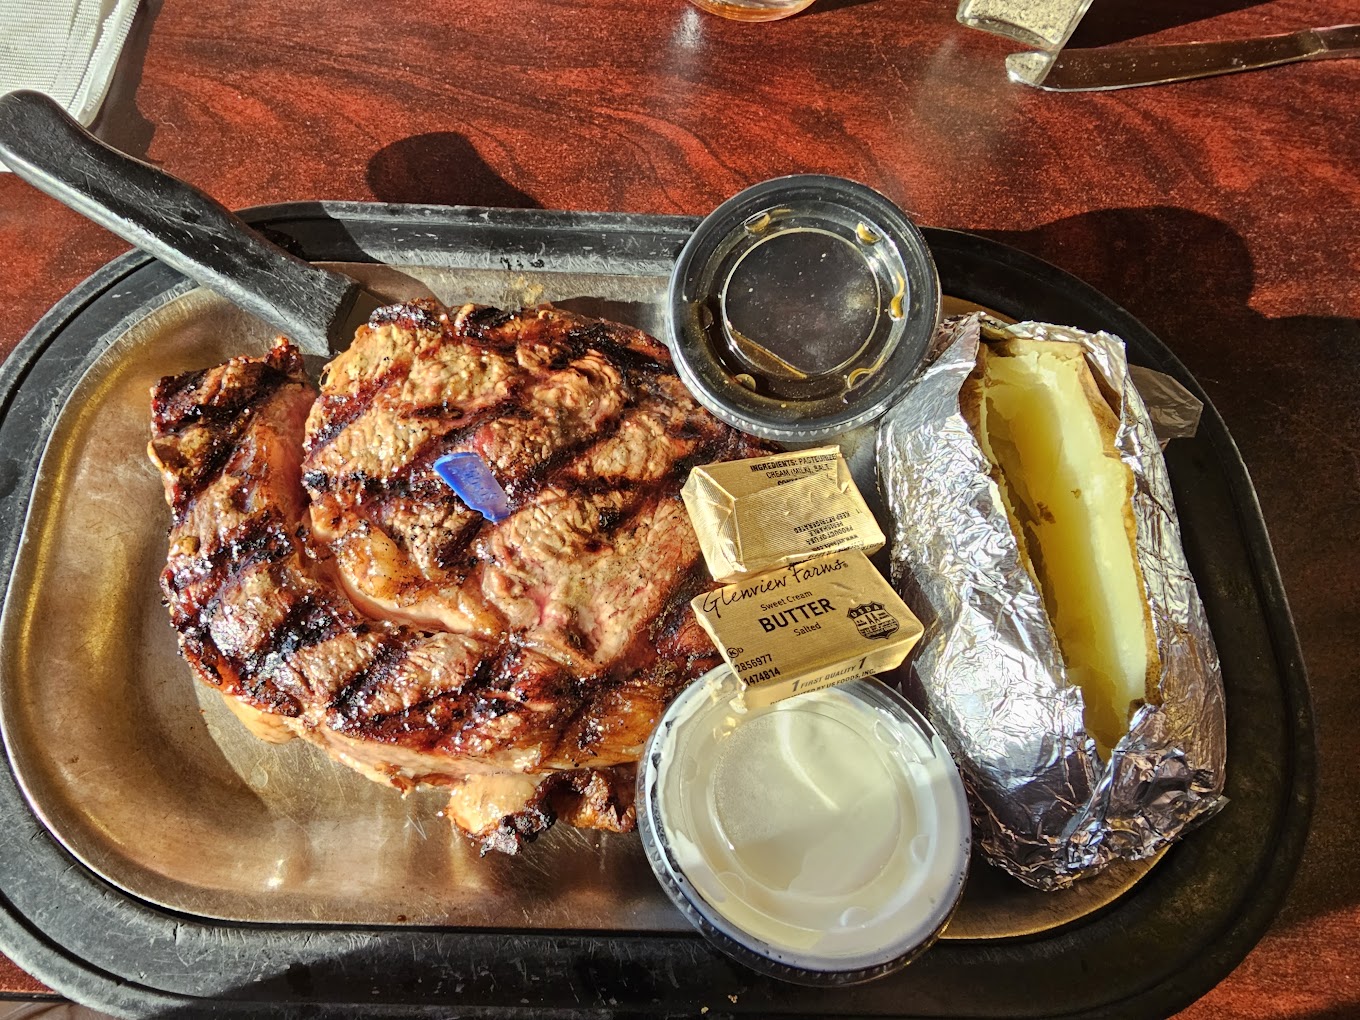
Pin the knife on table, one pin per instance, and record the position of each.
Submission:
(1122, 67)
(163, 216)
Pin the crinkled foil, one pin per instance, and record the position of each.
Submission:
(1045, 808)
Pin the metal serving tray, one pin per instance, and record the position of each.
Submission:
(191, 860)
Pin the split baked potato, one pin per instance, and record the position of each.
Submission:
(1048, 433)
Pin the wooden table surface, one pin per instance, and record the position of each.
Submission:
(1225, 214)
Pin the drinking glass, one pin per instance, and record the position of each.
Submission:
(752, 10)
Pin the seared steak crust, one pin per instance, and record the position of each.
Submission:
(321, 573)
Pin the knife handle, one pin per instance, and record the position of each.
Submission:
(173, 221)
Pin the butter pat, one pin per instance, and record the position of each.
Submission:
(768, 512)
(808, 626)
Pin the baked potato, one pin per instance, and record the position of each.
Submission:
(1048, 433)
(1067, 660)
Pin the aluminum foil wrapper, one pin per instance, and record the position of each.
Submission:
(1045, 807)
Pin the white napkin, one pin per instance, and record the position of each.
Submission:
(66, 48)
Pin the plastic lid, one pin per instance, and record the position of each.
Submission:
(802, 307)
(823, 839)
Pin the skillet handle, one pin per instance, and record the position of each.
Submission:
(175, 222)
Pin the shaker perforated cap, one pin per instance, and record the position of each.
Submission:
(802, 307)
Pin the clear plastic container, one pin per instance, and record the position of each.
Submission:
(752, 10)
(802, 307)
(822, 840)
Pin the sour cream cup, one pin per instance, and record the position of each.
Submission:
(822, 840)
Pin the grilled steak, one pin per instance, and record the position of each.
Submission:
(325, 580)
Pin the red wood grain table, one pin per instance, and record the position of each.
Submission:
(1225, 214)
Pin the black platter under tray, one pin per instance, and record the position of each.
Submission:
(1174, 935)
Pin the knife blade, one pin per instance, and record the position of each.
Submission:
(1122, 67)
(317, 309)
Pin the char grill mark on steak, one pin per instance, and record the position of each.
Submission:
(176, 401)
(199, 420)
(388, 623)
(213, 433)
(667, 629)
(412, 316)
(260, 539)
(308, 621)
(413, 475)
(342, 405)
(353, 697)
(483, 323)
(512, 696)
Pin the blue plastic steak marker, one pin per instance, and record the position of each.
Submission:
(468, 476)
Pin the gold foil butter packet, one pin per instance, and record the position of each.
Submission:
(767, 512)
(808, 626)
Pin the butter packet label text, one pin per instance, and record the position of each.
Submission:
(767, 512)
(808, 626)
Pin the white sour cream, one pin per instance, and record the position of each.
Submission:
(827, 832)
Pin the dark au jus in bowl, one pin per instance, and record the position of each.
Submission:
(802, 307)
